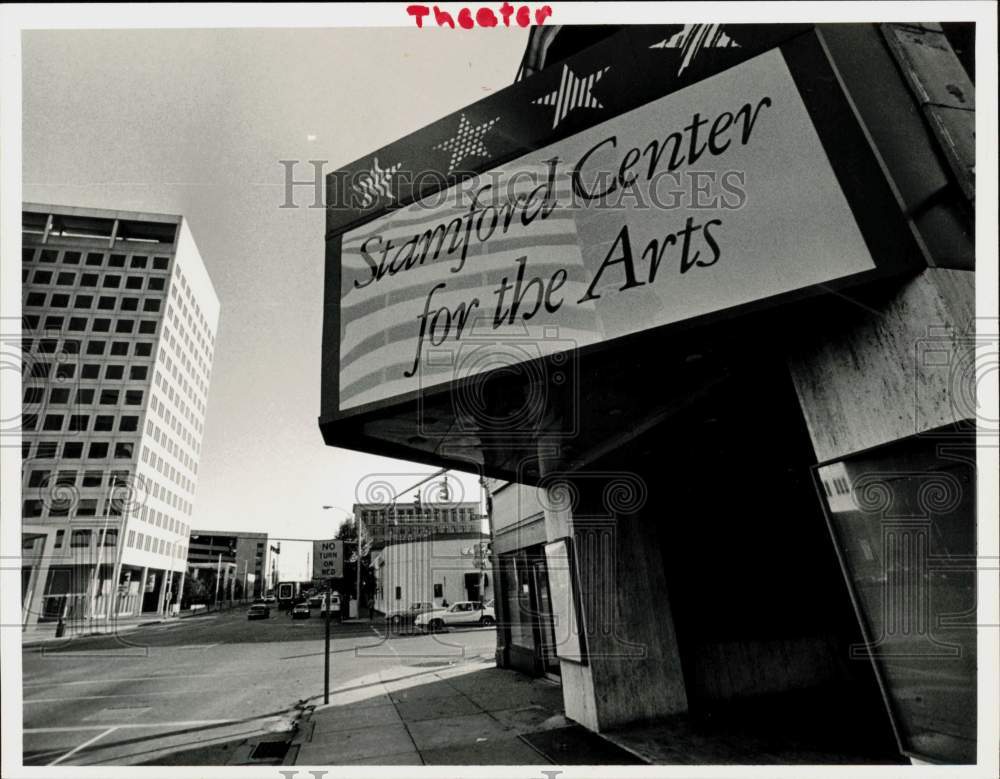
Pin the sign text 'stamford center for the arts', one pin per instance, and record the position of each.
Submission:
(714, 196)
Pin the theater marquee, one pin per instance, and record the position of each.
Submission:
(731, 192)
(708, 198)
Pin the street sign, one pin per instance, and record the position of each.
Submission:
(328, 559)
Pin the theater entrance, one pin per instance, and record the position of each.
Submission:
(762, 617)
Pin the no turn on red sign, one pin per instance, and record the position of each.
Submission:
(328, 559)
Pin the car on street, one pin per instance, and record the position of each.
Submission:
(464, 612)
(259, 610)
(300, 610)
(405, 616)
(319, 602)
(270, 599)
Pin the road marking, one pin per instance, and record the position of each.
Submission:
(386, 641)
(85, 744)
(196, 646)
(139, 651)
(113, 679)
(182, 723)
(199, 691)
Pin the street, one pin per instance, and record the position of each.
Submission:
(192, 691)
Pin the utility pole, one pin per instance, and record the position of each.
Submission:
(483, 551)
(327, 603)
(357, 565)
(218, 577)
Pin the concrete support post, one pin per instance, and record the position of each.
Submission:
(869, 383)
(901, 364)
(142, 589)
(113, 606)
(180, 590)
(161, 596)
(622, 592)
(40, 577)
(92, 591)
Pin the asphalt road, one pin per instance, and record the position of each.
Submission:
(193, 691)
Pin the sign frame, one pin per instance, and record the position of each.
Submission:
(565, 549)
(320, 555)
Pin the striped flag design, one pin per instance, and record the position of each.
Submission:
(693, 39)
(379, 324)
(375, 183)
(574, 92)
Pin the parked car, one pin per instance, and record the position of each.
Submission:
(300, 610)
(319, 602)
(401, 617)
(465, 612)
(270, 599)
(259, 610)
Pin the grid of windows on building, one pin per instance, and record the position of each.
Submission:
(411, 519)
(118, 341)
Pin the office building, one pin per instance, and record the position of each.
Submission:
(229, 557)
(119, 325)
(733, 431)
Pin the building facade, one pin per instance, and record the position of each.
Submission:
(223, 558)
(397, 522)
(748, 502)
(432, 567)
(526, 635)
(425, 551)
(119, 323)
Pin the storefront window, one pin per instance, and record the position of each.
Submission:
(518, 608)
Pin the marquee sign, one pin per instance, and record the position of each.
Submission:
(610, 211)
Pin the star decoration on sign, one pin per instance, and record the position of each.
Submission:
(574, 92)
(374, 183)
(467, 142)
(693, 39)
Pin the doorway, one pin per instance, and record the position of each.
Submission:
(762, 616)
(529, 634)
(545, 627)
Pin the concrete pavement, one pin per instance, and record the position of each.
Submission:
(222, 690)
(454, 713)
(198, 691)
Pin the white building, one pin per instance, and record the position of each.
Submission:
(437, 568)
(119, 323)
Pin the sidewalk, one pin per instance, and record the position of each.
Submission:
(467, 714)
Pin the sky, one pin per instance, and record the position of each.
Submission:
(193, 122)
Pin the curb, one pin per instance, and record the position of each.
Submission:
(35, 641)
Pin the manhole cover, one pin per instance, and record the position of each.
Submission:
(270, 750)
